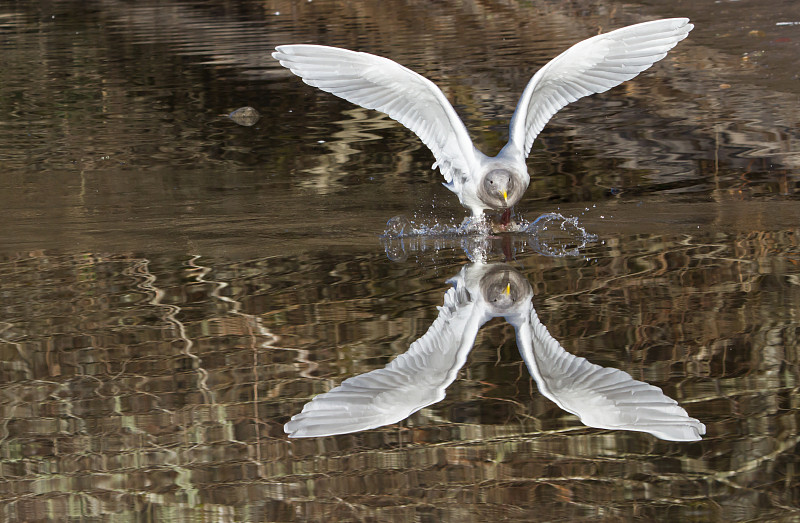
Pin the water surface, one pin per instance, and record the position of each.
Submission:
(176, 286)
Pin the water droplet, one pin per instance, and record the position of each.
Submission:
(395, 250)
(557, 235)
(397, 227)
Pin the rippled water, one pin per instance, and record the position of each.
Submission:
(176, 285)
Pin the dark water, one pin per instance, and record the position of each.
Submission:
(176, 286)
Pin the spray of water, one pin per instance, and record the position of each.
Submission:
(551, 234)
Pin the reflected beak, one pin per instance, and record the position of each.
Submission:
(508, 289)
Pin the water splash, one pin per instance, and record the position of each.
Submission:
(551, 234)
(557, 235)
(402, 227)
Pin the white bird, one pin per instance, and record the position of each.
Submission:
(482, 182)
(601, 397)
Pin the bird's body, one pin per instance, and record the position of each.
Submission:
(484, 182)
(493, 182)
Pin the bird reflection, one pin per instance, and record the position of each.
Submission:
(601, 397)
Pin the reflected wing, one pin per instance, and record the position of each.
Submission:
(591, 66)
(379, 83)
(601, 397)
(413, 380)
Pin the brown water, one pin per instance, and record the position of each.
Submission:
(176, 286)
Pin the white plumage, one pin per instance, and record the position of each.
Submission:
(602, 397)
(413, 380)
(481, 182)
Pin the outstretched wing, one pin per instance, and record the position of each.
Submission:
(601, 397)
(379, 83)
(413, 380)
(591, 66)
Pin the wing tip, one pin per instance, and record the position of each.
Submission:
(676, 23)
(675, 27)
(283, 49)
(301, 427)
(693, 432)
(682, 28)
(289, 50)
(283, 53)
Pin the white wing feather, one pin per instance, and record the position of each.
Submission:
(378, 83)
(591, 66)
(601, 397)
(413, 380)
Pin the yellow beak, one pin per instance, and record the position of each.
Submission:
(505, 196)
(508, 289)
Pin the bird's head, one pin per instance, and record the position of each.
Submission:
(500, 189)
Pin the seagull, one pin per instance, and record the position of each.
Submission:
(484, 182)
(601, 397)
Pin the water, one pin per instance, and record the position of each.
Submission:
(176, 284)
(551, 234)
